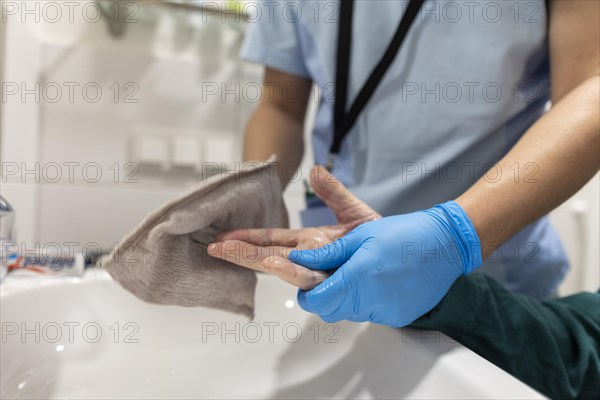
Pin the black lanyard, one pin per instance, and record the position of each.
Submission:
(343, 121)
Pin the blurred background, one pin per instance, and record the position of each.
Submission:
(110, 108)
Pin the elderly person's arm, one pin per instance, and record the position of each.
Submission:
(553, 346)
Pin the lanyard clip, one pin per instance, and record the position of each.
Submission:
(330, 166)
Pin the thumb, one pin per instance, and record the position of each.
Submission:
(330, 256)
(348, 209)
(335, 298)
(326, 298)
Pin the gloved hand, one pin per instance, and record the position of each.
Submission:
(392, 270)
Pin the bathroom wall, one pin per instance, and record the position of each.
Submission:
(84, 168)
(98, 125)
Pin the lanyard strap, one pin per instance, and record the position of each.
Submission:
(343, 121)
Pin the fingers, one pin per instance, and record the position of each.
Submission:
(267, 259)
(330, 256)
(262, 237)
(294, 274)
(347, 208)
(245, 254)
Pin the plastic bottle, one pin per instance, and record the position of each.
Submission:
(7, 246)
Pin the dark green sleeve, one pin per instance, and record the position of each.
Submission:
(553, 346)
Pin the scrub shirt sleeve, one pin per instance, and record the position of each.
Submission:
(272, 38)
(553, 346)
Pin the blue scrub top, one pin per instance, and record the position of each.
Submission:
(469, 80)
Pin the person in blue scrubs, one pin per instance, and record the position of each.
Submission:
(457, 152)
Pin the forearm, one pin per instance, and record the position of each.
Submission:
(271, 131)
(554, 159)
(276, 127)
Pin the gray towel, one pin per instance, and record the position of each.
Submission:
(164, 260)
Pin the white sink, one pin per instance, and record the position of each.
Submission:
(89, 338)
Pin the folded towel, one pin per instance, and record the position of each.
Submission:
(164, 260)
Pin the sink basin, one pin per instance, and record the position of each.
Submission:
(89, 338)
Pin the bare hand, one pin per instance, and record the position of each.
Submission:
(267, 249)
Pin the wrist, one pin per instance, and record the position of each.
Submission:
(467, 241)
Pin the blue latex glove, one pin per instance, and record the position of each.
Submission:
(392, 270)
